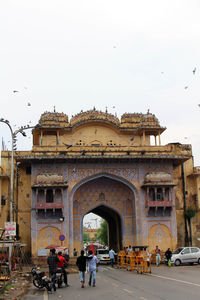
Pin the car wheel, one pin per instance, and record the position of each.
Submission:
(177, 262)
(199, 261)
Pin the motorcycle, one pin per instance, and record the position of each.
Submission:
(59, 277)
(40, 280)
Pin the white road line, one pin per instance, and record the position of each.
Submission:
(177, 280)
(46, 295)
(114, 284)
(130, 292)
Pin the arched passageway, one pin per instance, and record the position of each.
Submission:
(114, 225)
(112, 200)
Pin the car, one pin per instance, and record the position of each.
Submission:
(186, 255)
(103, 256)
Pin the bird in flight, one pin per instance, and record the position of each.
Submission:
(186, 87)
(29, 104)
(68, 145)
(194, 71)
(15, 91)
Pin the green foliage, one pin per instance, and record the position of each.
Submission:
(86, 237)
(190, 213)
(102, 233)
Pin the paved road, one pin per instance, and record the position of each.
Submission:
(163, 284)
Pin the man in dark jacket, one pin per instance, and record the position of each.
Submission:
(81, 263)
(52, 261)
(168, 255)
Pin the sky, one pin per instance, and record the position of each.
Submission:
(126, 55)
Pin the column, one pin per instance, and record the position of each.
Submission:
(143, 138)
(155, 140)
(41, 138)
(0, 196)
(159, 138)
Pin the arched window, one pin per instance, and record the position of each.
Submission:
(159, 194)
(167, 194)
(40, 197)
(58, 195)
(152, 194)
(49, 196)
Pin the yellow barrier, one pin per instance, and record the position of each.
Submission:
(139, 261)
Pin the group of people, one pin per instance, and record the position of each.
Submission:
(59, 261)
(92, 265)
(168, 255)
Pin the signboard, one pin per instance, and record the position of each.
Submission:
(62, 237)
(42, 252)
(10, 228)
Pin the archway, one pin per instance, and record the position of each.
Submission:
(113, 220)
(110, 199)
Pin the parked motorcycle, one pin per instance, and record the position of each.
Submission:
(40, 279)
(59, 277)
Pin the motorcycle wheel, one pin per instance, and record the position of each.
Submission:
(60, 281)
(38, 283)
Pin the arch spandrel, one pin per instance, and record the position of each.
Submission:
(48, 236)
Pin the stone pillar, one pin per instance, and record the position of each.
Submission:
(155, 140)
(0, 196)
(143, 138)
(159, 139)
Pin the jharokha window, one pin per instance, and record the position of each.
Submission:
(152, 194)
(49, 196)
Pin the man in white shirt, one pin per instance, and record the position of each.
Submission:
(92, 263)
(112, 256)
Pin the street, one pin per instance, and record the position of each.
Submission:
(164, 283)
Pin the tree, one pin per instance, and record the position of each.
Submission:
(86, 237)
(102, 233)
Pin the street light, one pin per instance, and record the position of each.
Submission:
(14, 148)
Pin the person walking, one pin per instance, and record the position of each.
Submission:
(112, 256)
(61, 265)
(157, 251)
(93, 261)
(81, 264)
(168, 255)
(52, 261)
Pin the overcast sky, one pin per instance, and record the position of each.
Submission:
(129, 56)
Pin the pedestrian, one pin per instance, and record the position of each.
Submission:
(112, 256)
(52, 261)
(66, 256)
(81, 264)
(168, 255)
(129, 249)
(93, 261)
(62, 264)
(157, 251)
(75, 252)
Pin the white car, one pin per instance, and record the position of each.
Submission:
(185, 255)
(103, 256)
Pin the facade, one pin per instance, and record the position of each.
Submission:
(117, 169)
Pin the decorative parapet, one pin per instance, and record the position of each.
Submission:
(159, 178)
(53, 119)
(93, 115)
(49, 180)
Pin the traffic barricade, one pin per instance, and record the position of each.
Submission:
(121, 259)
(131, 262)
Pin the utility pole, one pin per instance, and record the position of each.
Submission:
(14, 148)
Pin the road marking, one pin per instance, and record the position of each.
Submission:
(130, 292)
(114, 284)
(177, 280)
(46, 295)
(142, 298)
